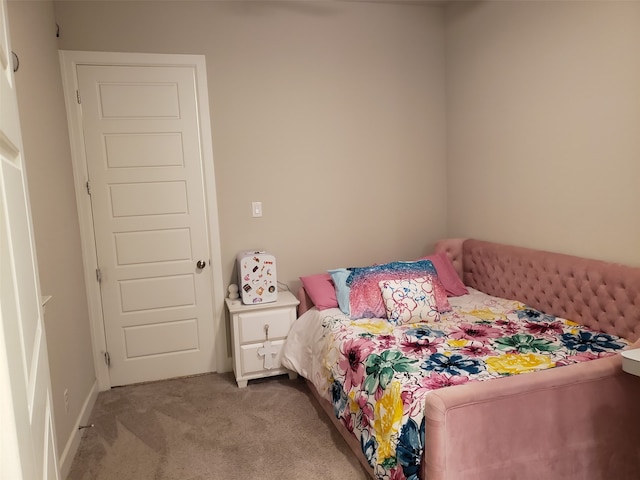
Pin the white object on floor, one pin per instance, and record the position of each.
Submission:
(631, 361)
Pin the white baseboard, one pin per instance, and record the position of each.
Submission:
(70, 449)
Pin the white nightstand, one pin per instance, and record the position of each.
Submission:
(258, 333)
(631, 361)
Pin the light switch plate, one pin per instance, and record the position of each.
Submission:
(256, 209)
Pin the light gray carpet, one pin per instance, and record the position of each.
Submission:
(206, 428)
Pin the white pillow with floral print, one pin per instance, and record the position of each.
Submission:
(410, 301)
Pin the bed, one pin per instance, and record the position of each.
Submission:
(497, 399)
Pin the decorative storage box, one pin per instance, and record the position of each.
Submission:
(257, 277)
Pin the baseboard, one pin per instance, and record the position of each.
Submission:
(70, 449)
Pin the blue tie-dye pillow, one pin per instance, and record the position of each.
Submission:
(365, 297)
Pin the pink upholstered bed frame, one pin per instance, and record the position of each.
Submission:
(577, 422)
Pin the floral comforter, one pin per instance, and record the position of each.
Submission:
(377, 374)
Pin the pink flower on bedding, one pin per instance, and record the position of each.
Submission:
(476, 350)
(582, 357)
(342, 332)
(420, 345)
(475, 331)
(366, 408)
(386, 341)
(439, 380)
(347, 421)
(354, 351)
(397, 474)
(545, 328)
(508, 327)
(412, 398)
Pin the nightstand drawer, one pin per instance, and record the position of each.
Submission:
(253, 362)
(253, 325)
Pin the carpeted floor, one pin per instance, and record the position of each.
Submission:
(206, 428)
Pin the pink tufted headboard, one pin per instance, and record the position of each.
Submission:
(601, 295)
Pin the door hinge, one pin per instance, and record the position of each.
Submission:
(107, 359)
(78, 97)
(88, 187)
(98, 275)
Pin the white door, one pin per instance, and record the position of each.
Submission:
(27, 440)
(144, 164)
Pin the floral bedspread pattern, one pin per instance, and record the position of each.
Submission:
(377, 374)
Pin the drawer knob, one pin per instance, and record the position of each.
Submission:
(266, 331)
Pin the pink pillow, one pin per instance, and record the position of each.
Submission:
(447, 274)
(321, 290)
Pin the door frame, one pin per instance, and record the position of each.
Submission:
(69, 60)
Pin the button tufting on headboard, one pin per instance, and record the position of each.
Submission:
(453, 249)
(603, 296)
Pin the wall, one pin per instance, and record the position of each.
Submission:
(330, 113)
(317, 109)
(544, 125)
(53, 206)
(335, 113)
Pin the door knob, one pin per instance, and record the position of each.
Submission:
(201, 264)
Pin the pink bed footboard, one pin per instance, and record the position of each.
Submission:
(579, 422)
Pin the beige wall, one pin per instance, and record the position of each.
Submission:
(337, 117)
(330, 113)
(53, 206)
(544, 125)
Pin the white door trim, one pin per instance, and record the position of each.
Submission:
(69, 61)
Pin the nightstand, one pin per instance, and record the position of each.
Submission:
(258, 333)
